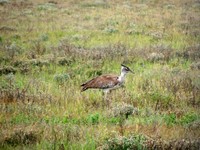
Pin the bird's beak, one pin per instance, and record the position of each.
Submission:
(131, 71)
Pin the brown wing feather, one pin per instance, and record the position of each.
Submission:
(101, 82)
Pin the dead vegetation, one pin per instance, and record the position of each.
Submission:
(175, 144)
(184, 82)
(7, 70)
(21, 138)
(140, 142)
(191, 53)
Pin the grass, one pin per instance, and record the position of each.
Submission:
(47, 49)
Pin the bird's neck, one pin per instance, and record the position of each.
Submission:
(122, 76)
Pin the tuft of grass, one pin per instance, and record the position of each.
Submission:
(93, 118)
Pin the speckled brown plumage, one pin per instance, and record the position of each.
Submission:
(101, 82)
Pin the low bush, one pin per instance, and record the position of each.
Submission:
(123, 110)
(124, 143)
(61, 78)
(65, 61)
(21, 138)
(7, 70)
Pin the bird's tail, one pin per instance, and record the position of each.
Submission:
(83, 87)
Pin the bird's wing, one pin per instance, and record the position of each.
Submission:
(101, 82)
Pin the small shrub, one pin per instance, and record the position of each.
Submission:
(21, 138)
(121, 113)
(4, 59)
(23, 66)
(38, 62)
(156, 35)
(12, 49)
(153, 57)
(195, 66)
(61, 78)
(111, 30)
(139, 142)
(195, 125)
(47, 6)
(24, 70)
(7, 70)
(18, 63)
(65, 61)
(165, 50)
(123, 110)
(173, 144)
(125, 143)
(38, 47)
(190, 53)
(110, 51)
(44, 37)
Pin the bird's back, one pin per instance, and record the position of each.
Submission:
(101, 82)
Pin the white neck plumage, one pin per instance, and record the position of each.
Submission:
(122, 76)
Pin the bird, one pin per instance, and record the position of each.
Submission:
(107, 82)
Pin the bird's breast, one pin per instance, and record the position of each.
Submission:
(120, 80)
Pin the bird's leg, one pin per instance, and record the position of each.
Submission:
(105, 98)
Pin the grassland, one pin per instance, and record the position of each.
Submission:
(48, 48)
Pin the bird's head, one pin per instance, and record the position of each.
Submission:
(125, 69)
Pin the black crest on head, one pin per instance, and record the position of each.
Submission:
(124, 65)
(127, 68)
